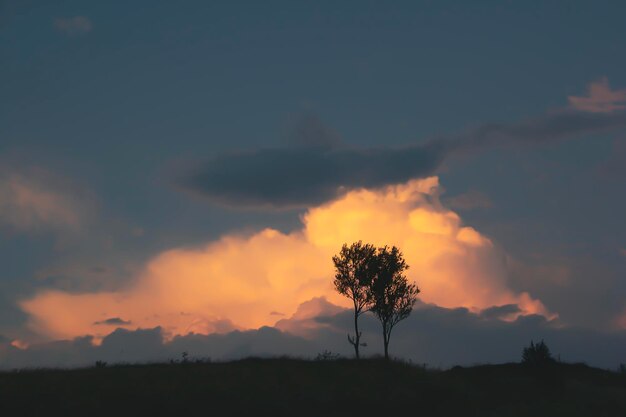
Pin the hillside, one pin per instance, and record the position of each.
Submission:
(313, 388)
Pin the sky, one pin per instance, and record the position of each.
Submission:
(177, 176)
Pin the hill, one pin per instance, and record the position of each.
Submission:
(276, 387)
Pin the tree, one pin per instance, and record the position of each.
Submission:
(537, 354)
(393, 297)
(355, 268)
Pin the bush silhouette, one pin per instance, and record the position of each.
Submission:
(537, 354)
(327, 355)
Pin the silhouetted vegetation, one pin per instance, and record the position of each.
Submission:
(287, 387)
(374, 280)
(327, 355)
(355, 268)
(393, 296)
(537, 355)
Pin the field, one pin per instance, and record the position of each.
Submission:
(275, 387)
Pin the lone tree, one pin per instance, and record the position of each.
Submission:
(393, 297)
(355, 268)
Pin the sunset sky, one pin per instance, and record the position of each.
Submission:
(178, 175)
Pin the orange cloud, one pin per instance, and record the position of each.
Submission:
(37, 200)
(600, 98)
(241, 281)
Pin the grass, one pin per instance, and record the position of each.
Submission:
(276, 387)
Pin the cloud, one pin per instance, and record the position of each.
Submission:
(76, 25)
(593, 287)
(600, 98)
(113, 321)
(549, 127)
(501, 312)
(310, 316)
(450, 336)
(440, 337)
(303, 176)
(238, 281)
(33, 200)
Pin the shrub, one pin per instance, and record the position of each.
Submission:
(327, 355)
(537, 354)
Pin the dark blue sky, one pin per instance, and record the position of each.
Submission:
(109, 103)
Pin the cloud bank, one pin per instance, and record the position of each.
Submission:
(437, 336)
(242, 281)
(303, 176)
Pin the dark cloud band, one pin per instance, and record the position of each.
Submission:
(302, 176)
(434, 335)
(295, 177)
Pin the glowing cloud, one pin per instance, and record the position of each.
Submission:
(242, 281)
(37, 200)
(600, 98)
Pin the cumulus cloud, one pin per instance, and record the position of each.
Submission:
(600, 98)
(240, 281)
(37, 200)
(438, 336)
(75, 25)
(450, 336)
(310, 316)
(303, 176)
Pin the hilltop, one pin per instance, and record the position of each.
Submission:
(313, 388)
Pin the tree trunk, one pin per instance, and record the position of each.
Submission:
(387, 349)
(357, 336)
(386, 341)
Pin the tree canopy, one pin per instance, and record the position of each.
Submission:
(355, 268)
(373, 278)
(393, 297)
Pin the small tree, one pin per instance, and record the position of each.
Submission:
(393, 297)
(537, 354)
(355, 268)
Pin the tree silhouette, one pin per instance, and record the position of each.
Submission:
(537, 354)
(392, 295)
(355, 268)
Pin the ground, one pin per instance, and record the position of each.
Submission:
(313, 388)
